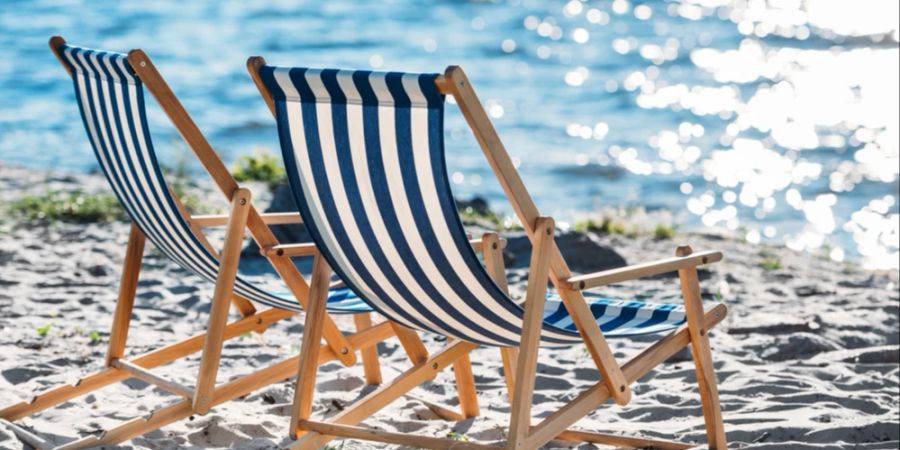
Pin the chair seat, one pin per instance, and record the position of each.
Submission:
(619, 318)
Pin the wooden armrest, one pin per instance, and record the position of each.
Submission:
(304, 249)
(611, 276)
(218, 220)
(476, 244)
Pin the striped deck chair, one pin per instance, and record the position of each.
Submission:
(110, 95)
(365, 158)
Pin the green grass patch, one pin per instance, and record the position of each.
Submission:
(76, 206)
(604, 226)
(471, 215)
(43, 330)
(770, 263)
(663, 232)
(262, 166)
(458, 436)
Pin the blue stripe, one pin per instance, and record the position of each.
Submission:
(403, 130)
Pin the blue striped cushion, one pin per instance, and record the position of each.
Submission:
(364, 154)
(111, 100)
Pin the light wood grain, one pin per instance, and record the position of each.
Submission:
(290, 250)
(621, 441)
(411, 343)
(218, 220)
(223, 291)
(371, 368)
(465, 387)
(309, 349)
(231, 390)
(154, 379)
(134, 254)
(532, 323)
(648, 269)
(702, 356)
(492, 251)
(407, 440)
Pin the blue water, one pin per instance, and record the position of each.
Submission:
(780, 125)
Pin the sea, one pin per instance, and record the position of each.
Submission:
(774, 121)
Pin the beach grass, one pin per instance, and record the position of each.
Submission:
(261, 166)
(76, 206)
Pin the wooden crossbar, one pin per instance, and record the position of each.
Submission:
(220, 220)
(621, 441)
(309, 248)
(165, 355)
(27, 436)
(388, 437)
(225, 392)
(154, 379)
(290, 250)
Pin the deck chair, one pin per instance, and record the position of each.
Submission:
(109, 90)
(364, 155)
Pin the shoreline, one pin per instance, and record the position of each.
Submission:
(808, 357)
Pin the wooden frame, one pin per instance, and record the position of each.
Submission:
(547, 263)
(241, 218)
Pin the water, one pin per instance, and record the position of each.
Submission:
(778, 121)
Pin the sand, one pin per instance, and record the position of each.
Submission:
(808, 357)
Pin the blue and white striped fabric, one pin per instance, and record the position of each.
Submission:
(364, 154)
(111, 99)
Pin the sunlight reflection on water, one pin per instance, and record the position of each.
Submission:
(777, 120)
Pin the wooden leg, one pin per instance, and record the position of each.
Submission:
(493, 263)
(465, 386)
(134, 253)
(309, 349)
(493, 260)
(411, 343)
(526, 364)
(369, 356)
(509, 355)
(218, 314)
(386, 394)
(702, 355)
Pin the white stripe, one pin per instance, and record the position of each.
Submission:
(642, 315)
(339, 195)
(410, 231)
(301, 155)
(426, 179)
(314, 79)
(372, 212)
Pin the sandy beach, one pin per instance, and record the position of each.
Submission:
(807, 358)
